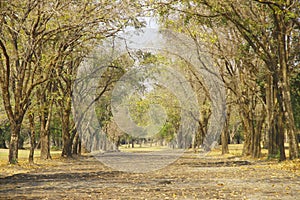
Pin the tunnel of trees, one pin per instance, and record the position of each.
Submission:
(254, 44)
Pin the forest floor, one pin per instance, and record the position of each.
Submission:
(189, 177)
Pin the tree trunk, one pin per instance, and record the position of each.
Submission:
(275, 125)
(293, 145)
(45, 138)
(66, 132)
(273, 148)
(247, 136)
(45, 119)
(31, 137)
(67, 147)
(279, 126)
(14, 142)
(280, 141)
(45, 143)
(284, 30)
(45, 112)
(2, 140)
(79, 147)
(224, 140)
(225, 133)
(76, 144)
(256, 148)
(269, 110)
(270, 125)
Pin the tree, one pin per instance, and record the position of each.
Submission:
(268, 30)
(22, 33)
(36, 39)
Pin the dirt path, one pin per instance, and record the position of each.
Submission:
(190, 177)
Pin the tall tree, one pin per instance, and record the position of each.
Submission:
(269, 29)
(37, 36)
(23, 31)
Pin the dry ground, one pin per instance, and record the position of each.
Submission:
(190, 177)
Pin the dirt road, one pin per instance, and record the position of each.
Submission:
(190, 177)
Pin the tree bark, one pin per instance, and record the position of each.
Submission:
(271, 120)
(279, 126)
(256, 148)
(31, 137)
(45, 119)
(66, 132)
(2, 140)
(79, 147)
(45, 143)
(14, 142)
(247, 134)
(225, 133)
(285, 87)
(224, 139)
(75, 149)
(280, 140)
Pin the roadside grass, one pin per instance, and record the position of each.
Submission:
(23, 154)
(23, 166)
(235, 152)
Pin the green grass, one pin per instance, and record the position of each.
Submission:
(23, 154)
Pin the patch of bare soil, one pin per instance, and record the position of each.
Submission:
(190, 177)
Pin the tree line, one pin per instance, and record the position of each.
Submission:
(254, 43)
